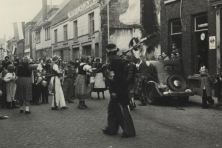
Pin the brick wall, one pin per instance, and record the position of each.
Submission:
(189, 9)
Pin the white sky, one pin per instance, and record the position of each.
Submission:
(18, 11)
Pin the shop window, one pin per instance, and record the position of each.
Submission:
(91, 23)
(87, 50)
(175, 34)
(75, 29)
(56, 35)
(201, 23)
(47, 33)
(65, 32)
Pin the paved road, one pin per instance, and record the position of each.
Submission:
(162, 126)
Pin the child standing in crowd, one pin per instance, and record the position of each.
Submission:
(10, 79)
(37, 88)
(99, 85)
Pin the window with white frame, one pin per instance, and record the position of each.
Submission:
(175, 34)
(91, 23)
(47, 33)
(200, 22)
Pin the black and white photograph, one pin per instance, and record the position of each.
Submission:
(111, 74)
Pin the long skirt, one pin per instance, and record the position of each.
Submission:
(99, 82)
(58, 99)
(10, 91)
(68, 88)
(81, 87)
(24, 89)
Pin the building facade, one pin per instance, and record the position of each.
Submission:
(191, 26)
(89, 26)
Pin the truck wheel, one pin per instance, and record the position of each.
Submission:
(149, 93)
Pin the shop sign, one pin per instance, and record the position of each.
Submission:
(212, 42)
(86, 5)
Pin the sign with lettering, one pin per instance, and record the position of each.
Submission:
(86, 5)
(212, 42)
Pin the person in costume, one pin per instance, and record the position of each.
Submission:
(58, 100)
(118, 108)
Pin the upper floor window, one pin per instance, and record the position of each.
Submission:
(56, 35)
(175, 39)
(65, 32)
(175, 27)
(75, 29)
(47, 33)
(200, 22)
(91, 23)
(38, 37)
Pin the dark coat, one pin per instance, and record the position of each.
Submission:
(120, 82)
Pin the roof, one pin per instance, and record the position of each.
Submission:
(63, 13)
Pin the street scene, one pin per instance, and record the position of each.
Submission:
(156, 126)
(111, 74)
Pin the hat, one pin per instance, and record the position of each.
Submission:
(55, 59)
(111, 48)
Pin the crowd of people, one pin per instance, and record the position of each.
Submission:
(24, 82)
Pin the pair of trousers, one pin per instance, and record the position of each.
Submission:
(119, 116)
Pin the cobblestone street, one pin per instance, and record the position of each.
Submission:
(156, 126)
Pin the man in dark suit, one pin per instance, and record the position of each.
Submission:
(118, 111)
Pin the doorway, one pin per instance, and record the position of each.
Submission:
(200, 42)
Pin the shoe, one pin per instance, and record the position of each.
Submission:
(85, 106)
(106, 132)
(142, 104)
(205, 106)
(211, 101)
(80, 106)
(4, 117)
(218, 105)
(27, 112)
(70, 101)
(54, 108)
(64, 107)
(124, 135)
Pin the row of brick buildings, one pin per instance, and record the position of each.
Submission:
(195, 27)
(83, 27)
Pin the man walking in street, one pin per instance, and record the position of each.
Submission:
(118, 111)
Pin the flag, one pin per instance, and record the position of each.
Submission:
(133, 13)
(19, 30)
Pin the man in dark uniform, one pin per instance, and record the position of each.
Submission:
(118, 111)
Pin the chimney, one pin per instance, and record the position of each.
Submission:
(44, 10)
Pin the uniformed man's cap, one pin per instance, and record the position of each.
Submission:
(111, 48)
